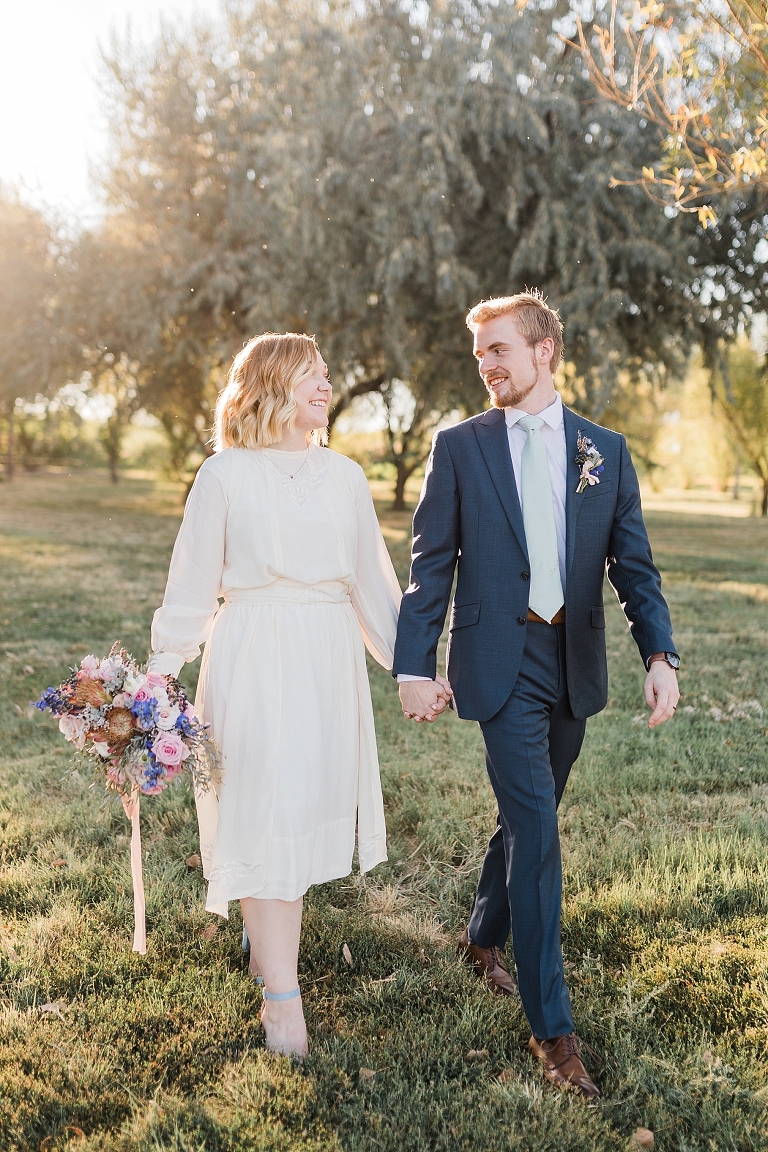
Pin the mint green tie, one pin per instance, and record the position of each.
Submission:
(546, 596)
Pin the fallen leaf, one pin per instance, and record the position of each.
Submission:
(643, 1138)
(55, 1009)
(28, 670)
(209, 931)
(193, 861)
(19, 709)
(368, 1073)
(477, 1054)
(347, 954)
(59, 863)
(507, 1075)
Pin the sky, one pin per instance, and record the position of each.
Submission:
(51, 122)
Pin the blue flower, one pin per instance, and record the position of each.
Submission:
(52, 698)
(145, 713)
(184, 726)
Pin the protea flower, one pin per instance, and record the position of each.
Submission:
(90, 692)
(120, 726)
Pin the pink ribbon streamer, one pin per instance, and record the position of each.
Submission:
(131, 807)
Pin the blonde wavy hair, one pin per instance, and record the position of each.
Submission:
(257, 402)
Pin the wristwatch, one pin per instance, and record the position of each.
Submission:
(671, 658)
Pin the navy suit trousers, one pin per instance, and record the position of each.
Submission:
(531, 745)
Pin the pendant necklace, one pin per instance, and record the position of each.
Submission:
(293, 475)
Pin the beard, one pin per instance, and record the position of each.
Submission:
(509, 395)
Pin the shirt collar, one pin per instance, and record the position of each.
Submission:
(552, 416)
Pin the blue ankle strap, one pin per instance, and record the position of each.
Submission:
(281, 995)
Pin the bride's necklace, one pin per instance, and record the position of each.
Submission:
(293, 475)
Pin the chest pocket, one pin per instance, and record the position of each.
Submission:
(597, 489)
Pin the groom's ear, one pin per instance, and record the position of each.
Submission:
(545, 350)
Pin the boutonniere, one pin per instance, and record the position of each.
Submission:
(589, 461)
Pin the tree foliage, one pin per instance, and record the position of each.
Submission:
(741, 394)
(366, 171)
(28, 268)
(699, 71)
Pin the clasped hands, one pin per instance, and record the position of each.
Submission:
(425, 699)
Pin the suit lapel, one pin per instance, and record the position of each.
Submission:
(491, 433)
(572, 498)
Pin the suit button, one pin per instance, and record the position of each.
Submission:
(521, 619)
(525, 575)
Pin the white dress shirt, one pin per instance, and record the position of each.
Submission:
(553, 435)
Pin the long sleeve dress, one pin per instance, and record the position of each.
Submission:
(296, 553)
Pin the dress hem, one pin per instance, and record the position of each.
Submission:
(220, 900)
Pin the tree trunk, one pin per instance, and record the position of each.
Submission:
(114, 475)
(10, 463)
(402, 476)
(736, 478)
(764, 505)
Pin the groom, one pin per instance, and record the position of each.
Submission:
(535, 504)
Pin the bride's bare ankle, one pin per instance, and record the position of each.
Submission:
(284, 1027)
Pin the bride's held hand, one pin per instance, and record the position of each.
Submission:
(425, 699)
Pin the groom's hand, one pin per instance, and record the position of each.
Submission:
(424, 699)
(661, 692)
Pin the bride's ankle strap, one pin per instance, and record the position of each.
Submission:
(281, 995)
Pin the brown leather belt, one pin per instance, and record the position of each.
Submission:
(558, 618)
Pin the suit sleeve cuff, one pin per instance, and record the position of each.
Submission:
(404, 678)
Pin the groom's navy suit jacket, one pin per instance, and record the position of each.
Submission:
(469, 511)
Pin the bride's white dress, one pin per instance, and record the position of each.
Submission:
(305, 578)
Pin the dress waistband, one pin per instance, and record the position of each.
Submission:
(286, 592)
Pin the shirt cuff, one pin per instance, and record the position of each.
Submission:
(404, 678)
(166, 663)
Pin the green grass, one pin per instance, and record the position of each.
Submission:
(664, 921)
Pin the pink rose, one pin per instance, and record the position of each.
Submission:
(142, 693)
(89, 665)
(73, 729)
(106, 670)
(155, 680)
(170, 749)
(166, 716)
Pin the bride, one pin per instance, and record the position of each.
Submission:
(284, 530)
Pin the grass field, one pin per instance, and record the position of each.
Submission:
(665, 912)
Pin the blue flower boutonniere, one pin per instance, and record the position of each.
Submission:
(589, 461)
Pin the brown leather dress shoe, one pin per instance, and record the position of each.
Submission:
(561, 1060)
(487, 965)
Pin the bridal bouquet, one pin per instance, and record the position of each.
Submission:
(138, 727)
(141, 733)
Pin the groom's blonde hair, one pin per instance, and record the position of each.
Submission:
(257, 401)
(533, 316)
